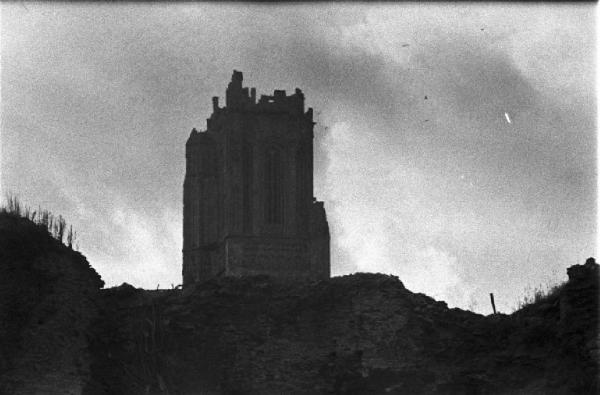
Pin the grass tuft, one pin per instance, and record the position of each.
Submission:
(55, 225)
(540, 294)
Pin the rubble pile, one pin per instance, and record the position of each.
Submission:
(358, 334)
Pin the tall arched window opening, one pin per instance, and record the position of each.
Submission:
(273, 187)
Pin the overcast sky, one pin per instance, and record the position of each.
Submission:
(455, 144)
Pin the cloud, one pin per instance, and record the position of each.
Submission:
(97, 101)
(137, 247)
(385, 222)
(440, 275)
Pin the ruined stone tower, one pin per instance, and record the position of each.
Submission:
(248, 205)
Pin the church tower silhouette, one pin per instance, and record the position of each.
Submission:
(248, 205)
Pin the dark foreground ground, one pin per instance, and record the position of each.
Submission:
(360, 334)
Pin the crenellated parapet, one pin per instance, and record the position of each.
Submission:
(240, 98)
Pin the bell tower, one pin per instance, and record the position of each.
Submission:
(248, 191)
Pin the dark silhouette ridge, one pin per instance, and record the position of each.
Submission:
(48, 297)
(356, 334)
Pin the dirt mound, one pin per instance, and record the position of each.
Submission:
(47, 301)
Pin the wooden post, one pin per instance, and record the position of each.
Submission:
(493, 304)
